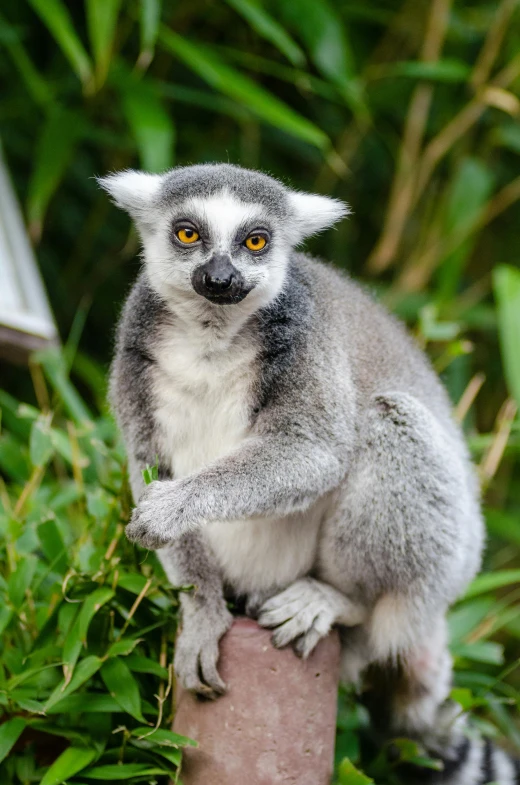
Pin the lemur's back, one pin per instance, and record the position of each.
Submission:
(382, 355)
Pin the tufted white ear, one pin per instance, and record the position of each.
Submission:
(312, 213)
(132, 191)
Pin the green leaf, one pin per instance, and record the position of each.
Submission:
(122, 686)
(28, 674)
(84, 671)
(132, 582)
(56, 144)
(151, 125)
(123, 647)
(121, 771)
(464, 697)
(99, 503)
(506, 284)
(38, 88)
(467, 616)
(150, 474)
(140, 664)
(53, 545)
(86, 703)
(242, 89)
(164, 738)
(267, 27)
(55, 16)
(6, 614)
(70, 762)
(54, 366)
(466, 198)
(10, 732)
(504, 525)
(489, 581)
(77, 635)
(102, 26)
(25, 703)
(432, 328)
(480, 651)
(21, 579)
(79, 737)
(325, 36)
(349, 775)
(447, 70)
(411, 752)
(150, 19)
(507, 135)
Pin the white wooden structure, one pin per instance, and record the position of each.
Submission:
(26, 321)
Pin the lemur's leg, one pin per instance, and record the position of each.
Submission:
(205, 616)
(399, 541)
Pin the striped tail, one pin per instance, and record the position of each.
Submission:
(470, 760)
(403, 706)
(466, 758)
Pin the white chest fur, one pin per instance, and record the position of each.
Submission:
(204, 402)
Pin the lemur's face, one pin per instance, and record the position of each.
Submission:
(219, 232)
(219, 248)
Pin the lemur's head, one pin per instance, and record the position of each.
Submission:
(219, 231)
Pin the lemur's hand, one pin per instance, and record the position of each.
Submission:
(166, 511)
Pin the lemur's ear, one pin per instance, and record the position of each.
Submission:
(312, 213)
(132, 191)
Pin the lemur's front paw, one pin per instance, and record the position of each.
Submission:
(197, 648)
(305, 612)
(161, 515)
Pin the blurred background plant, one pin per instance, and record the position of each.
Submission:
(409, 111)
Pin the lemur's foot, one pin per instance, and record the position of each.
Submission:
(255, 602)
(305, 612)
(197, 647)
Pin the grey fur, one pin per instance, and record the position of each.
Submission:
(342, 492)
(208, 179)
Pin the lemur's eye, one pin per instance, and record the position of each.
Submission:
(187, 235)
(255, 242)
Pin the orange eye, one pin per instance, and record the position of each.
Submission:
(187, 236)
(256, 242)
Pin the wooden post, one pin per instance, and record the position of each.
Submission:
(276, 724)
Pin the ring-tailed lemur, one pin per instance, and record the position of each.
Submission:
(308, 460)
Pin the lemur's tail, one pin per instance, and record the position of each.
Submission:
(448, 737)
(467, 759)
(477, 762)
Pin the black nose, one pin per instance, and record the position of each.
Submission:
(218, 281)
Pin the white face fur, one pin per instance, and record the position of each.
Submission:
(224, 246)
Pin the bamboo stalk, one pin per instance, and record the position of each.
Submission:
(468, 397)
(492, 457)
(403, 184)
(491, 49)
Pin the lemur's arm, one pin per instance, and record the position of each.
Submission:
(270, 474)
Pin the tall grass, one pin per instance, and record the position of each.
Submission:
(409, 111)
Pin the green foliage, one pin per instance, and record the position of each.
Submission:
(409, 114)
(87, 623)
